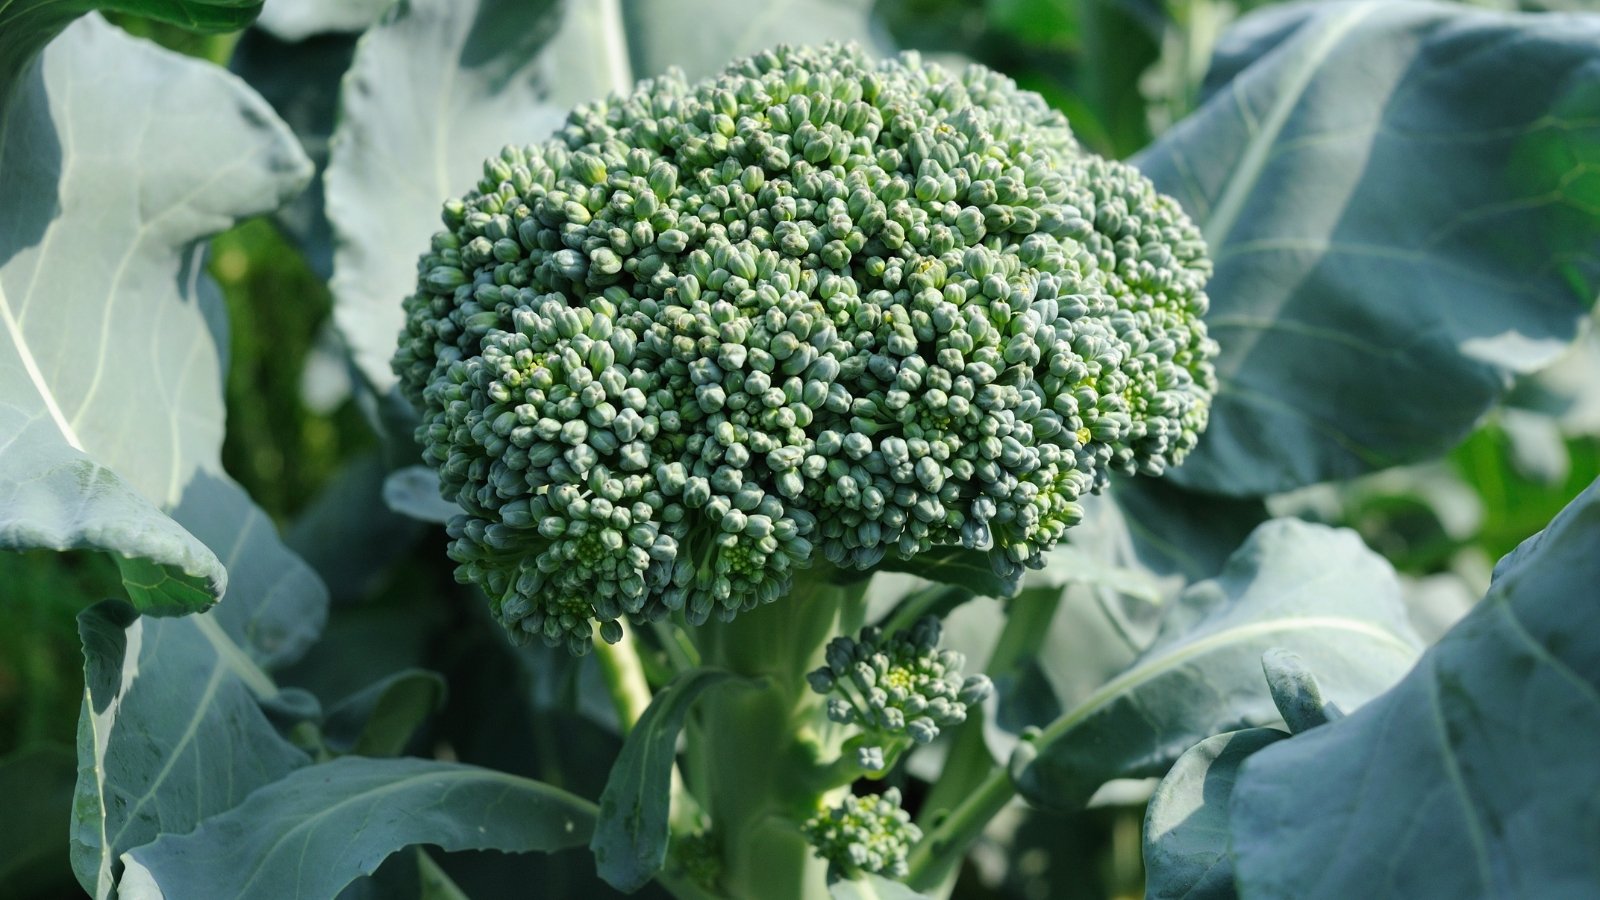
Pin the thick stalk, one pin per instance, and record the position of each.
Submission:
(753, 751)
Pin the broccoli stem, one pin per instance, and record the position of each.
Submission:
(972, 786)
(941, 849)
(623, 674)
(753, 752)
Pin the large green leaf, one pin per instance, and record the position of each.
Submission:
(178, 719)
(1308, 588)
(440, 85)
(702, 36)
(1186, 824)
(1475, 776)
(110, 360)
(1182, 532)
(1401, 202)
(174, 729)
(630, 840)
(26, 26)
(322, 827)
(294, 21)
(380, 719)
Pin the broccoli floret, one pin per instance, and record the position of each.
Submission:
(898, 689)
(864, 835)
(816, 308)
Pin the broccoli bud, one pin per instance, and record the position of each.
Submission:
(816, 308)
(897, 689)
(864, 835)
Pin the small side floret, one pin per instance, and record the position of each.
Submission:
(864, 835)
(899, 689)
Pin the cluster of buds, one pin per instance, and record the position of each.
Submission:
(818, 307)
(869, 834)
(897, 689)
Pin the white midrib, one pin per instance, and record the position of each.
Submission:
(1231, 204)
(31, 366)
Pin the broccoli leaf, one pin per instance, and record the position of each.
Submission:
(701, 36)
(25, 28)
(324, 826)
(630, 840)
(1474, 776)
(1308, 588)
(1186, 824)
(174, 728)
(179, 718)
(110, 358)
(380, 719)
(414, 491)
(1398, 202)
(293, 21)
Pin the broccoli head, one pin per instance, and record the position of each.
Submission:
(819, 307)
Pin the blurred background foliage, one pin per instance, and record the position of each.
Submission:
(1122, 71)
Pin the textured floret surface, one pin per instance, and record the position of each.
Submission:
(820, 307)
(864, 834)
(897, 689)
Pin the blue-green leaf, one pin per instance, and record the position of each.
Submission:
(630, 840)
(301, 81)
(380, 719)
(1309, 588)
(180, 719)
(316, 831)
(414, 491)
(1295, 691)
(296, 20)
(25, 28)
(1186, 823)
(111, 336)
(1475, 776)
(1400, 203)
(174, 728)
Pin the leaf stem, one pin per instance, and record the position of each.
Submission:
(624, 678)
(932, 597)
(942, 848)
(436, 882)
(970, 785)
(681, 652)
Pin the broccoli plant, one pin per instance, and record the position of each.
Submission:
(798, 466)
(727, 345)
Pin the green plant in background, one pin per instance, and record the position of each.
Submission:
(801, 391)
